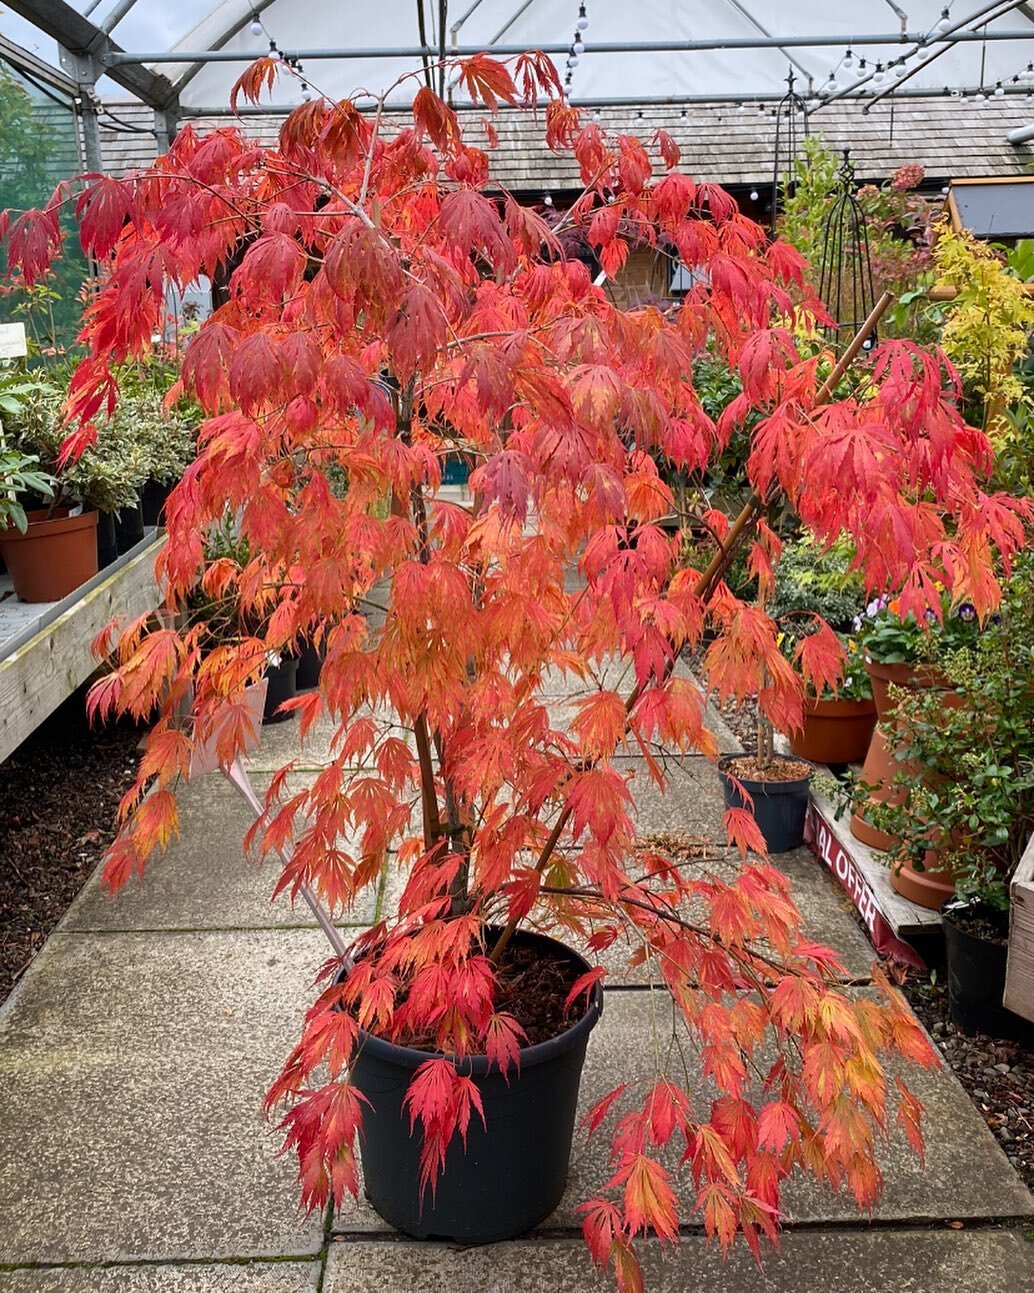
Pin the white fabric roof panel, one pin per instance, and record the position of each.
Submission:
(150, 26)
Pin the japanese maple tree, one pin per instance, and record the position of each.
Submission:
(389, 303)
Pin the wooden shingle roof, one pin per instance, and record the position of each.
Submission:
(948, 137)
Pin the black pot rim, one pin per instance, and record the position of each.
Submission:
(479, 1065)
(755, 787)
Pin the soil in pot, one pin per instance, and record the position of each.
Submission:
(513, 1171)
(282, 685)
(779, 789)
(835, 731)
(976, 940)
(55, 555)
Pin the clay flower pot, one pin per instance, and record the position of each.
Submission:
(835, 731)
(56, 554)
(880, 764)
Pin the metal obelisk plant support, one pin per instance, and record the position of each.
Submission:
(789, 133)
(845, 278)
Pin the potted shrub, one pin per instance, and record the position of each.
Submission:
(838, 725)
(901, 653)
(380, 306)
(965, 821)
(813, 586)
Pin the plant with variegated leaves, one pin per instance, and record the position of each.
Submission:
(389, 303)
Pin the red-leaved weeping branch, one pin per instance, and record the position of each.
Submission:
(388, 303)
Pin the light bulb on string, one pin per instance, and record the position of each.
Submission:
(255, 27)
(944, 21)
(547, 199)
(848, 61)
(578, 43)
(832, 85)
(306, 92)
(572, 60)
(999, 90)
(583, 20)
(900, 69)
(1028, 73)
(753, 195)
(879, 76)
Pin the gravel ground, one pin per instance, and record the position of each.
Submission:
(998, 1075)
(58, 796)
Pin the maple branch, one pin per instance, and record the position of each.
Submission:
(726, 552)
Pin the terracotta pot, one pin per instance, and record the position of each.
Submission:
(53, 557)
(880, 766)
(835, 731)
(931, 887)
(917, 677)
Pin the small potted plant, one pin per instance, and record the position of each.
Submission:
(838, 724)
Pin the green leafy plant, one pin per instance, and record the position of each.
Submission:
(889, 637)
(20, 473)
(974, 801)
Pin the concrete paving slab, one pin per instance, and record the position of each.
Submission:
(827, 912)
(282, 742)
(206, 881)
(994, 1261)
(965, 1175)
(235, 1277)
(132, 1072)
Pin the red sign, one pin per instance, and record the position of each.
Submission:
(823, 842)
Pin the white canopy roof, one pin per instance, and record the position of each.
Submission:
(760, 37)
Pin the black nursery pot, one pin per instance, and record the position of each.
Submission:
(310, 663)
(129, 527)
(779, 807)
(152, 501)
(976, 979)
(513, 1171)
(282, 685)
(107, 542)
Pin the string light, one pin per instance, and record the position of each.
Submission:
(256, 24)
(583, 20)
(848, 61)
(999, 91)
(753, 195)
(879, 76)
(832, 85)
(547, 199)
(944, 22)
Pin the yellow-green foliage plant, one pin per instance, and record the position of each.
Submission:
(986, 325)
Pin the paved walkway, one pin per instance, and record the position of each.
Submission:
(135, 1053)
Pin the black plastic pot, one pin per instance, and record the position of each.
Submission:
(152, 501)
(282, 685)
(129, 526)
(107, 543)
(513, 1171)
(779, 807)
(310, 662)
(976, 980)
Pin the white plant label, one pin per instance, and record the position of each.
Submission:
(12, 341)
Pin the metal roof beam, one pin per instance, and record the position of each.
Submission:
(617, 101)
(80, 37)
(120, 58)
(32, 65)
